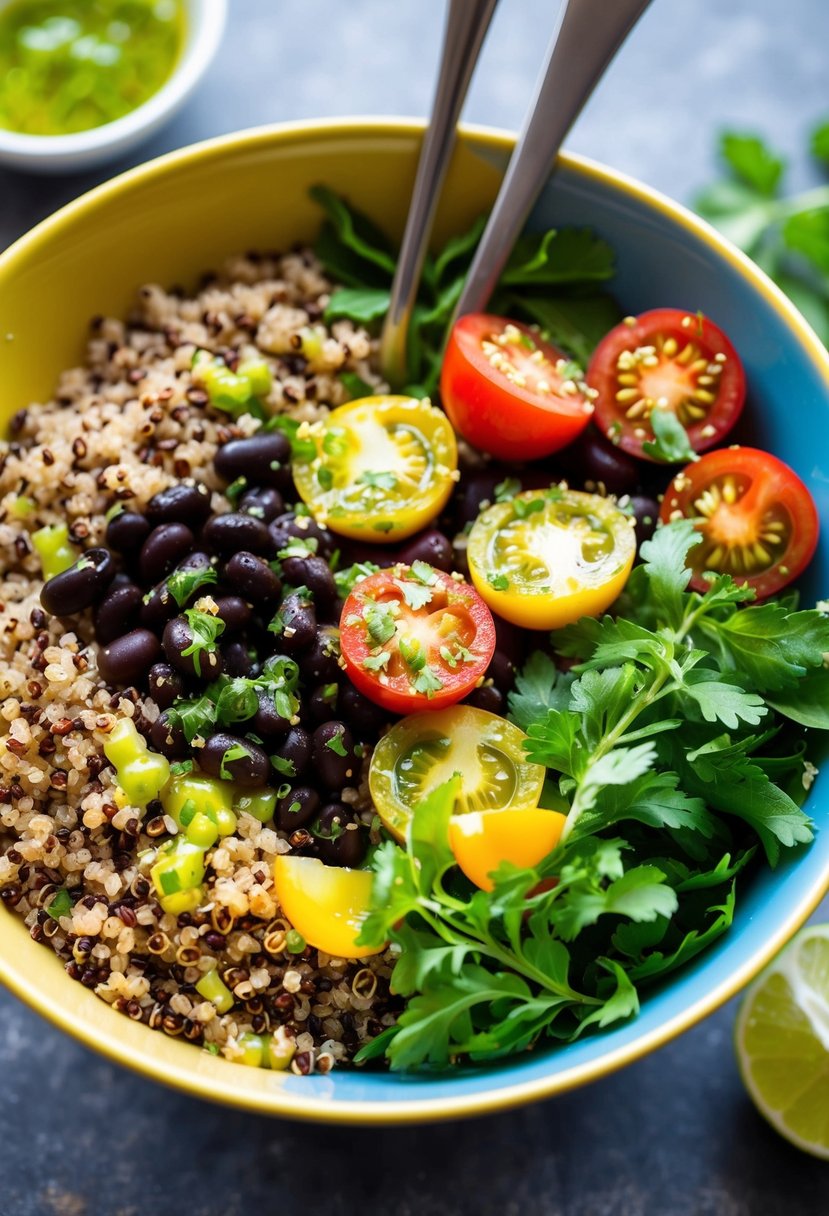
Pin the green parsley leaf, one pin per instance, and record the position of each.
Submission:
(539, 686)
(205, 629)
(183, 583)
(670, 443)
(498, 582)
(335, 744)
(194, 715)
(359, 304)
(61, 904)
(427, 682)
(416, 594)
(347, 578)
(380, 480)
(752, 161)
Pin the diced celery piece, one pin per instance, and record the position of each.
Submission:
(180, 867)
(54, 550)
(212, 988)
(124, 743)
(208, 795)
(261, 804)
(227, 390)
(202, 831)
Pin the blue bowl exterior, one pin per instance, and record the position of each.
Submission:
(662, 264)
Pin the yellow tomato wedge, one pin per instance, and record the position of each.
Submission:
(377, 469)
(325, 904)
(481, 840)
(548, 557)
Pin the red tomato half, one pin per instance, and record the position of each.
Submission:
(757, 519)
(666, 359)
(508, 392)
(414, 638)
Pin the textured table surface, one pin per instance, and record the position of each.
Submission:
(673, 1135)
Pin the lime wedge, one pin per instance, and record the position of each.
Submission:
(782, 1040)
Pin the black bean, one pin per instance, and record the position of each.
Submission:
(297, 808)
(501, 671)
(163, 550)
(167, 737)
(321, 704)
(81, 585)
(186, 502)
(430, 546)
(234, 532)
(263, 503)
(253, 579)
(128, 658)
(339, 840)
(319, 663)
(127, 532)
(299, 624)
(509, 639)
(178, 637)
(486, 697)
(118, 612)
(332, 768)
(476, 493)
(294, 753)
(593, 461)
(460, 561)
(165, 685)
(158, 607)
(315, 574)
(264, 459)
(236, 659)
(646, 513)
(363, 716)
(251, 767)
(267, 722)
(233, 611)
(289, 526)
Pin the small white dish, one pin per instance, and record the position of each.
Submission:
(83, 149)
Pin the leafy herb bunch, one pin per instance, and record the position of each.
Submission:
(671, 743)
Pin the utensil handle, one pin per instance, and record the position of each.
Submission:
(588, 34)
(466, 24)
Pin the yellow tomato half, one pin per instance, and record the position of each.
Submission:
(481, 840)
(548, 557)
(378, 469)
(325, 904)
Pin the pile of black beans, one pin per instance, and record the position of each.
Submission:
(144, 636)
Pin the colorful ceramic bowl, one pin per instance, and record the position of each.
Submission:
(169, 221)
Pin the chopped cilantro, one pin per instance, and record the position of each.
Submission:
(183, 583)
(205, 629)
(61, 905)
(237, 751)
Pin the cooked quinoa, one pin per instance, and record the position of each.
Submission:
(125, 425)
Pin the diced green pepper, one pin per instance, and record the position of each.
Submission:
(258, 375)
(212, 988)
(180, 867)
(202, 831)
(182, 901)
(143, 778)
(124, 743)
(253, 1050)
(227, 390)
(280, 1049)
(206, 795)
(54, 550)
(261, 804)
(226, 822)
(23, 506)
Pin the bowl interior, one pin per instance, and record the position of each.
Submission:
(170, 221)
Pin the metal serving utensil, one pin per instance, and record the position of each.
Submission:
(467, 22)
(587, 35)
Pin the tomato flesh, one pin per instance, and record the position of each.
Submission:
(415, 638)
(425, 750)
(482, 840)
(510, 393)
(548, 557)
(756, 518)
(378, 469)
(671, 360)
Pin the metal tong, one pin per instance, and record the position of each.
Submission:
(587, 35)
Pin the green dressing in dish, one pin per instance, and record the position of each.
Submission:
(70, 65)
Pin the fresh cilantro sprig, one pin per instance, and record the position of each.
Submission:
(553, 279)
(666, 745)
(787, 235)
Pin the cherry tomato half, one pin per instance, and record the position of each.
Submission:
(510, 393)
(423, 751)
(413, 638)
(757, 519)
(666, 359)
(326, 904)
(377, 469)
(483, 839)
(548, 557)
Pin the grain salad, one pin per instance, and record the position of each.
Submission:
(127, 424)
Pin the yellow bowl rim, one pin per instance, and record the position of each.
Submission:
(289, 1104)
